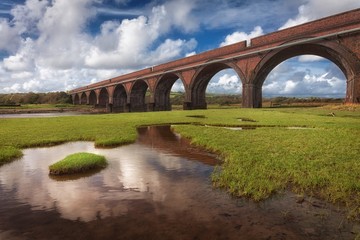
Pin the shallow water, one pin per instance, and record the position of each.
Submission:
(39, 115)
(157, 188)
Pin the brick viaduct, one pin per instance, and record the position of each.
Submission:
(336, 38)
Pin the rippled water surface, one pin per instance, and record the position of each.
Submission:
(157, 188)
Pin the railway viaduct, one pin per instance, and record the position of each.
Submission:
(336, 38)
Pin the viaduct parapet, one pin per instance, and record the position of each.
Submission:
(336, 38)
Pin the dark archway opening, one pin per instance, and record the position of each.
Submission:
(137, 96)
(120, 99)
(103, 98)
(76, 99)
(83, 98)
(92, 98)
(162, 94)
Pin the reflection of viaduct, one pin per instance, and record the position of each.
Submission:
(336, 38)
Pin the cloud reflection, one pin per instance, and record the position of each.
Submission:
(135, 172)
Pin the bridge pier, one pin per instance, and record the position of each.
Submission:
(251, 96)
(353, 90)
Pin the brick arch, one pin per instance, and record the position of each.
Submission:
(137, 96)
(103, 98)
(202, 78)
(83, 98)
(76, 99)
(332, 51)
(92, 98)
(162, 91)
(119, 99)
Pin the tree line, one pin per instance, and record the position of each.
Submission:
(35, 98)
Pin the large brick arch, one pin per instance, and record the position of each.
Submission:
(83, 99)
(92, 98)
(103, 98)
(119, 99)
(137, 96)
(162, 91)
(202, 78)
(332, 51)
(76, 99)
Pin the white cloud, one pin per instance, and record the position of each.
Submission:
(180, 14)
(315, 9)
(190, 54)
(292, 79)
(225, 81)
(310, 58)
(241, 36)
(9, 39)
(61, 55)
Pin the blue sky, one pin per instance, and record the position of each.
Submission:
(58, 45)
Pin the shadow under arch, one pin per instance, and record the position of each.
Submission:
(202, 78)
(330, 51)
(137, 96)
(83, 99)
(92, 98)
(119, 99)
(162, 91)
(103, 98)
(76, 99)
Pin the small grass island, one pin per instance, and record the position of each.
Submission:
(78, 163)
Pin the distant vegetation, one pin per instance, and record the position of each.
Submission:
(35, 98)
(177, 98)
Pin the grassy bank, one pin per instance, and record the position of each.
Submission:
(320, 157)
(78, 163)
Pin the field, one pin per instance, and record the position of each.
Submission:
(311, 151)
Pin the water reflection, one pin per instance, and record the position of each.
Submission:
(135, 171)
(157, 188)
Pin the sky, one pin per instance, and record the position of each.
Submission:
(59, 45)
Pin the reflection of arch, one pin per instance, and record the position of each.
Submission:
(103, 98)
(76, 99)
(137, 96)
(162, 91)
(92, 98)
(202, 78)
(83, 99)
(330, 50)
(120, 99)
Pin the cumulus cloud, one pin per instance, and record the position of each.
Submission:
(310, 58)
(305, 82)
(9, 36)
(315, 9)
(50, 48)
(241, 36)
(226, 82)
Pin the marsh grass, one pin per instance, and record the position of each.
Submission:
(9, 153)
(320, 160)
(78, 163)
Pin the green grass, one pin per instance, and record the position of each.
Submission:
(78, 163)
(9, 153)
(321, 161)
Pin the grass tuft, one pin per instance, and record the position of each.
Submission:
(78, 163)
(8, 154)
